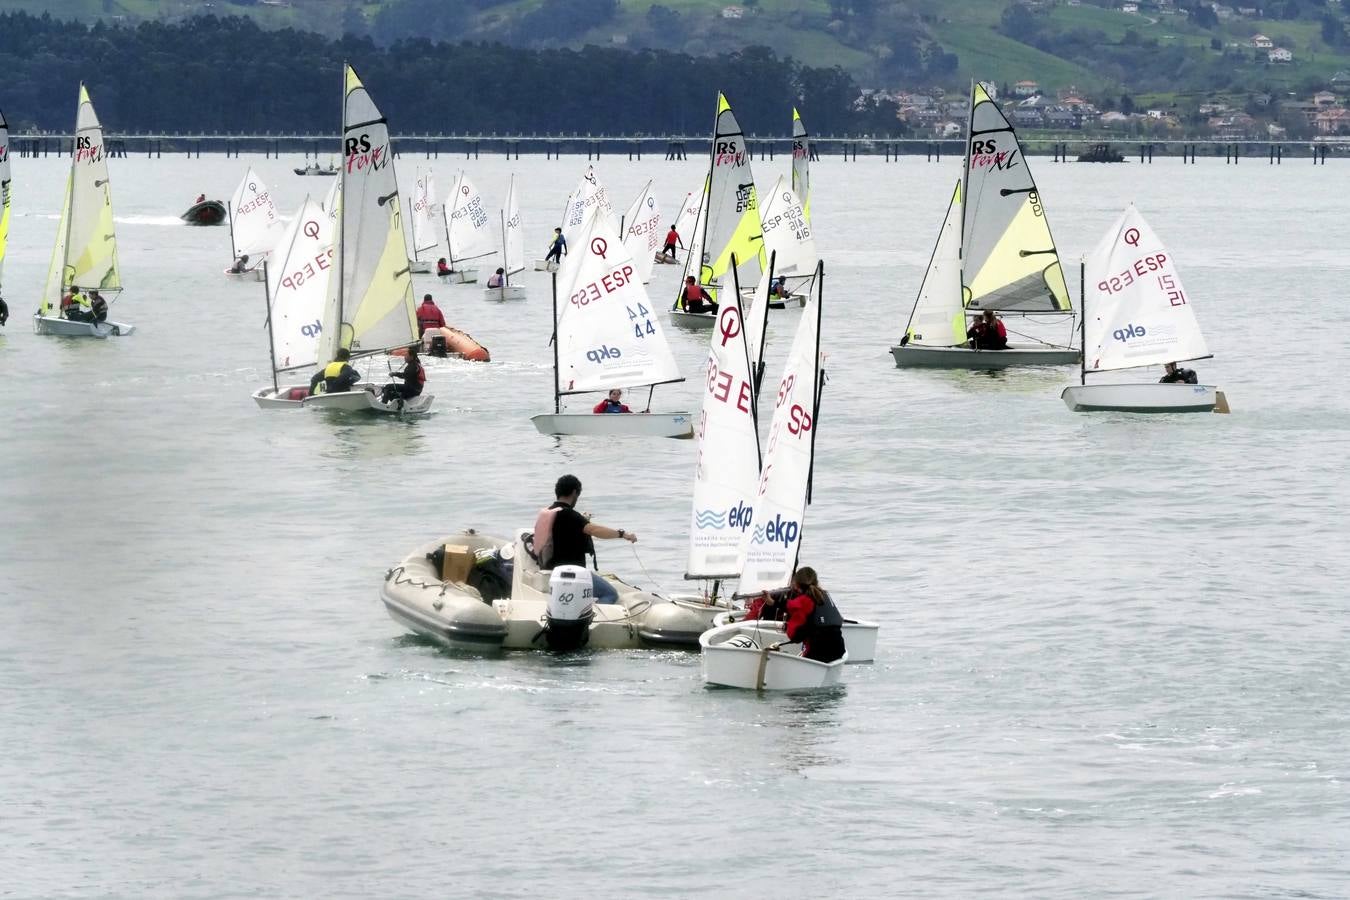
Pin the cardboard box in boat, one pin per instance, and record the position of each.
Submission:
(457, 564)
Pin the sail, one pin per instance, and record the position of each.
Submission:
(757, 320)
(55, 286)
(255, 226)
(608, 335)
(769, 546)
(1009, 258)
(467, 222)
(939, 319)
(4, 189)
(513, 237)
(376, 293)
(91, 246)
(787, 233)
(687, 222)
(1137, 313)
(423, 202)
(589, 194)
(330, 203)
(642, 235)
(297, 284)
(730, 207)
(801, 162)
(726, 472)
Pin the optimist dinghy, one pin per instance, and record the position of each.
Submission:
(468, 237)
(738, 655)
(641, 227)
(421, 213)
(255, 227)
(513, 250)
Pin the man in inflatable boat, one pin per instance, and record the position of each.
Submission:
(564, 537)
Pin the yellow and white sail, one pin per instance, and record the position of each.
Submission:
(801, 162)
(939, 319)
(4, 189)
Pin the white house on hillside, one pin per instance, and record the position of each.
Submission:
(1280, 55)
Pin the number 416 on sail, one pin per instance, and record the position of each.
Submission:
(645, 327)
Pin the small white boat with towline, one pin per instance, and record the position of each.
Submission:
(738, 655)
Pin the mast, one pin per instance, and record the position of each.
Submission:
(341, 242)
(820, 384)
(932, 256)
(445, 223)
(70, 195)
(1082, 325)
(506, 267)
(965, 184)
(229, 212)
(271, 345)
(557, 399)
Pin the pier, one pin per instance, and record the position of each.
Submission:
(680, 147)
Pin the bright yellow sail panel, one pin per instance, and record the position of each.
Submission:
(1013, 275)
(390, 287)
(352, 82)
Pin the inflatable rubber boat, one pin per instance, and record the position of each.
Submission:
(475, 591)
(207, 212)
(457, 343)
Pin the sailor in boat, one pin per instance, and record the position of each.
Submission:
(429, 315)
(612, 404)
(812, 618)
(98, 307)
(4, 312)
(779, 288)
(240, 264)
(564, 537)
(337, 377)
(75, 306)
(672, 241)
(201, 198)
(413, 377)
(694, 299)
(1178, 375)
(988, 333)
(497, 278)
(557, 249)
(442, 268)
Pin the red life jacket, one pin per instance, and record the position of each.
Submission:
(429, 316)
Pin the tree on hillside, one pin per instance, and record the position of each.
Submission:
(561, 20)
(1333, 31)
(439, 20)
(1204, 16)
(1018, 23)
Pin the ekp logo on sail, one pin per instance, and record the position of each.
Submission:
(1129, 331)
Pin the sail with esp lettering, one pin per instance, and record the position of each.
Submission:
(642, 233)
(297, 286)
(255, 226)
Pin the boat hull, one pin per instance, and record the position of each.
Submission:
(208, 212)
(246, 275)
(1141, 398)
(692, 321)
(459, 276)
(669, 425)
(505, 292)
(59, 327)
(285, 397)
(912, 356)
(542, 266)
(737, 656)
(363, 399)
(860, 638)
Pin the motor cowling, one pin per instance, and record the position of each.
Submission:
(571, 607)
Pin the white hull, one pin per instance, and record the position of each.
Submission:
(913, 356)
(670, 425)
(1141, 398)
(737, 656)
(460, 276)
(692, 321)
(456, 615)
(506, 292)
(363, 398)
(791, 301)
(271, 398)
(246, 275)
(860, 638)
(541, 266)
(66, 328)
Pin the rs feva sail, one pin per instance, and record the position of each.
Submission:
(86, 243)
(372, 294)
(513, 236)
(938, 318)
(730, 208)
(642, 235)
(468, 226)
(607, 335)
(787, 233)
(769, 546)
(423, 224)
(255, 226)
(801, 162)
(4, 189)
(297, 285)
(726, 472)
(1136, 313)
(1009, 260)
(589, 194)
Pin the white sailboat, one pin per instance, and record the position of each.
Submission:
(1006, 259)
(728, 222)
(687, 224)
(297, 291)
(85, 255)
(421, 213)
(606, 336)
(801, 162)
(468, 231)
(513, 250)
(369, 307)
(255, 226)
(1139, 315)
(787, 235)
(642, 236)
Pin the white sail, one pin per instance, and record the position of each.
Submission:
(769, 547)
(801, 162)
(939, 317)
(423, 202)
(91, 245)
(726, 471)
(330, 203)
(4, 190)
(757, 317)
(642, 233)
(687, 222)
(787, 234)
(1009, 258)
(468, 225)
(255, 226)
(374, 294)
(608, 335)
(1137, 312)
(513, 238)
(589, 194)
(297, 285)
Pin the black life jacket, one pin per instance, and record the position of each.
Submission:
(824, 617)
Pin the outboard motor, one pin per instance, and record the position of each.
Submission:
(571, 607)
(439, 347)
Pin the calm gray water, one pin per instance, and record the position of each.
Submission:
(1113, 660)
